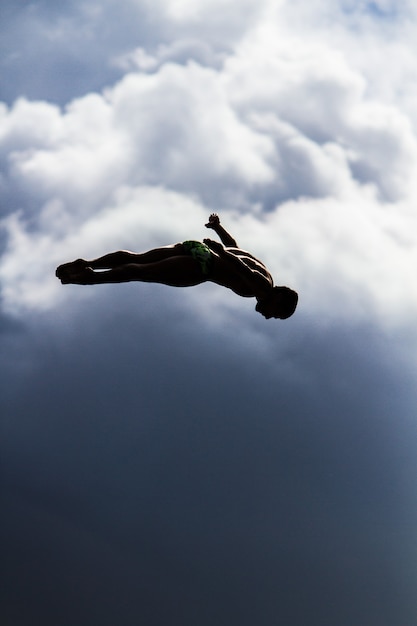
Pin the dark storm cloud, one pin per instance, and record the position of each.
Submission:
(57, 52)
(9, 325)
(160, 472)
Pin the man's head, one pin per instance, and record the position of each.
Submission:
(280, 303)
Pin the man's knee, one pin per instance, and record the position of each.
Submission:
(124, 257)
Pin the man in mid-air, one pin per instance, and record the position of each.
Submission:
(187, 264)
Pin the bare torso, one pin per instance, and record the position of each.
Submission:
(224, 272)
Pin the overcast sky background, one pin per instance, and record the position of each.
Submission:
(168, 456)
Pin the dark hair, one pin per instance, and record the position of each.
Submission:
(288, 301)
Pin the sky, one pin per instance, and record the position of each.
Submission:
(168, 456)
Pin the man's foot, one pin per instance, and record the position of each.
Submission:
(64, 271)
(86, 276)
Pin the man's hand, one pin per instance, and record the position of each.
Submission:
(214, 245)
(227, 239)
(214, 221)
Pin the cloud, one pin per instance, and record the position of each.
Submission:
(323, 97)
(195, 464)
(168, 450)
(180, 52)
(308, 155)
(77, 47)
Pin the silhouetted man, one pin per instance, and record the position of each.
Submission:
(187, 264)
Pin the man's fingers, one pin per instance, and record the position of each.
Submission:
(213, 221)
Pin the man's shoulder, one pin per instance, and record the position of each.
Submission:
(245, 254)
(239, 251)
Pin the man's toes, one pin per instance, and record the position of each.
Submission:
(60, 271)
(64, 271)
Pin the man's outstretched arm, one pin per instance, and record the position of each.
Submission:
(225, 237)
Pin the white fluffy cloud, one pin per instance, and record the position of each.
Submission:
(310, 161)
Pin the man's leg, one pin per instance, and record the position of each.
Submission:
(176, 271)
(123, 257)
(118, 259)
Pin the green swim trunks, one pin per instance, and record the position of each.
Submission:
(201, 253)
